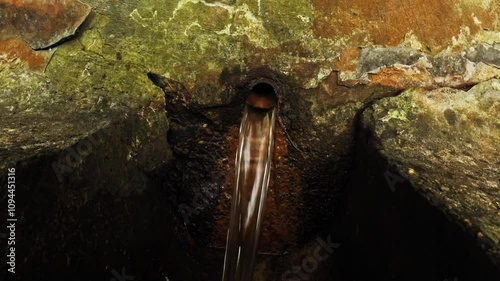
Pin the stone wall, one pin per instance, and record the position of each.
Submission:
(74, 72)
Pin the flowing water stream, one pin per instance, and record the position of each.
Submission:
(253, 167)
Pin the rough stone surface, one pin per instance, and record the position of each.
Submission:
(403, 67)
(41, 23)
(14, 50)
(327, 60)
(79, 137)
(445, 142)
(43, 116)
(28, 25)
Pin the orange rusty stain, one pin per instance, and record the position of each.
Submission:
(348, 60)
(54, 6)
(222, 210)
(400, 79)
(281, 211)
(40, 23)
(17, 49)
(281, 217)
(385, 22)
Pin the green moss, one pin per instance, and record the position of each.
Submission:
(22, 89)
(192, 41)
(89, 80)
(401, 107)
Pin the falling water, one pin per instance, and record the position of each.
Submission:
(253, 165)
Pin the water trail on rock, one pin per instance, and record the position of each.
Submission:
(253, 165)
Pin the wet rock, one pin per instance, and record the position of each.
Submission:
(402, 68)
(34, 103)
(15, 51)
(445, 142)
(486, 54)
(79, 146)
(372, 59)
(204, 138)
(26, 26)
(209, 52)
(42, 23)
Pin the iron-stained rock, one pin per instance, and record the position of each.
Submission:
(41, 23)
(16, 51)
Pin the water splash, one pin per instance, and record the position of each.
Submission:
(253, 165)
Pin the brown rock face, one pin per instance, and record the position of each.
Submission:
(40, 23)
(385, 22)
(201, 178)
(14, 49)
(26, 26)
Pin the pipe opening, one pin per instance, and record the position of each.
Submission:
(262, 96)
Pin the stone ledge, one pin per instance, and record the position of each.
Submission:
(445, 142)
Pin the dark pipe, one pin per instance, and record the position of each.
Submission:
(262, 96)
